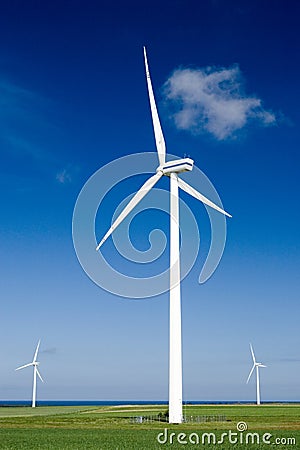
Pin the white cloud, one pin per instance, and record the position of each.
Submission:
(26, 124)
(50, 351)
(212, 100)
(63, 176)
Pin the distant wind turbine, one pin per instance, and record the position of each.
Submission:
(170, 169)
(256, 365)
(36, 372)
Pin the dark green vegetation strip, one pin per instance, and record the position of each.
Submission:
(110, 428)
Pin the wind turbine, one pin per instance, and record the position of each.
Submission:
(36, 372)
(256, 366)
(170, 169)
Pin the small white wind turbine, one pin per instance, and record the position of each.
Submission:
(36, 372)
(256, 366)
(170, 169)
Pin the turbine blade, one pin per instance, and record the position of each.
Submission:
(252, 352)
(251, 371)
(39, 375)
(187, 188)
(25, 365)
(133, 202)
(159, 137)
(36, 351)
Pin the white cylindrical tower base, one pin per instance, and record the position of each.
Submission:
(175, 363)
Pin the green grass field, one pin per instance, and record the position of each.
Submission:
(112, 428)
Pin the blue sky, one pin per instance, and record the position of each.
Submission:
(73, 97)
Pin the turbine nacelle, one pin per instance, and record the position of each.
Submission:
(176, 166)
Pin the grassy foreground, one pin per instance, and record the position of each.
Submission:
(112, 428)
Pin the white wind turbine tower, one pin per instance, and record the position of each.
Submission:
(36, 372)
(170, 169)
(256, 365)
